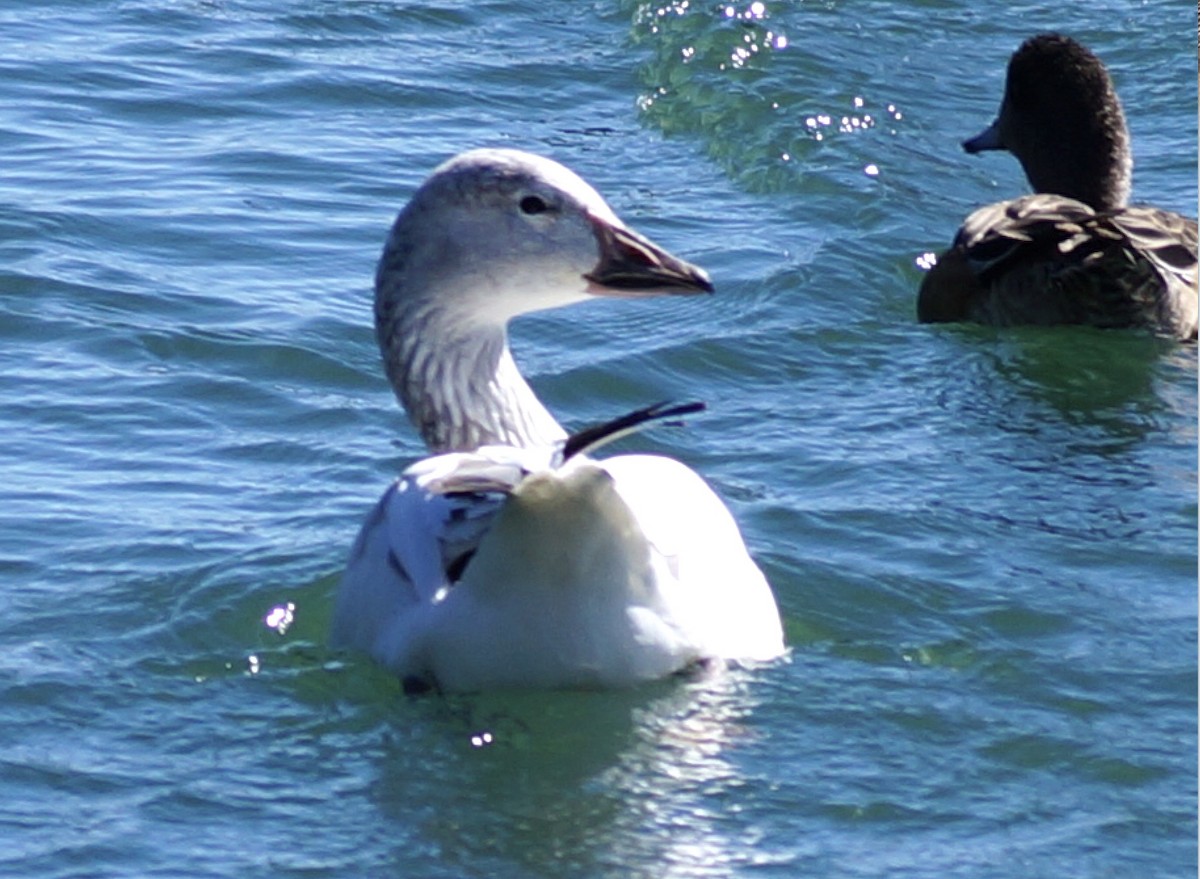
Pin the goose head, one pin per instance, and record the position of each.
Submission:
(1060, 116)
(494, 233)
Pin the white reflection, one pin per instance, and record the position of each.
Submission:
(683, 783)
(638, 784)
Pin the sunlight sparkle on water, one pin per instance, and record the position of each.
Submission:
(754, 10)
(756, 39)
(679, 8)
(851, 123)
(280, 617)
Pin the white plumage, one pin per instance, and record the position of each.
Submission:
(504, 560)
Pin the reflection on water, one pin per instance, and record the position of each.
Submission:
(1102, 391)
(585, 781)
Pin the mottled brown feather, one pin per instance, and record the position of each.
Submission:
(1046, 259)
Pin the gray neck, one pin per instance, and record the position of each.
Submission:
(458, 381)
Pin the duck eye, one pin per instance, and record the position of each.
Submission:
(532, 204)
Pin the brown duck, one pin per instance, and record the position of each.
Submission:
(1074, 253)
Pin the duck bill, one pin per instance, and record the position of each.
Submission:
(988, 139)
(633, 266)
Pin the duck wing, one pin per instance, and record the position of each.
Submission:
(1047, 259)
(1167, 242)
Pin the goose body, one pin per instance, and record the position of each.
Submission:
(511, 558)
(1074, 252)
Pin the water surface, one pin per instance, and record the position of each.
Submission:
(983, 542)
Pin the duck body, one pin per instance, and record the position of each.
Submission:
(1050, 260)
(1074, 252)
(511, 557)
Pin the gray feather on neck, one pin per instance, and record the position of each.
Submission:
(455, 375)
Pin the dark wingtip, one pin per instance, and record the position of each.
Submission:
(593, 437)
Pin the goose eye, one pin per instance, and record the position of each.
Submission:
(532, 204)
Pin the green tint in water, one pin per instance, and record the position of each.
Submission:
(737, 78)
(984, 542)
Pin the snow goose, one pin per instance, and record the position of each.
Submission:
(1074, 253)
(511, 558)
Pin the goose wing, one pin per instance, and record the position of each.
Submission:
(415, 543)
(708, 586)
(510, 566)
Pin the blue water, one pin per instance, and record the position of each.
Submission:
(984, 543)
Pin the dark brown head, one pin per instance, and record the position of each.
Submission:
(1061, 118)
